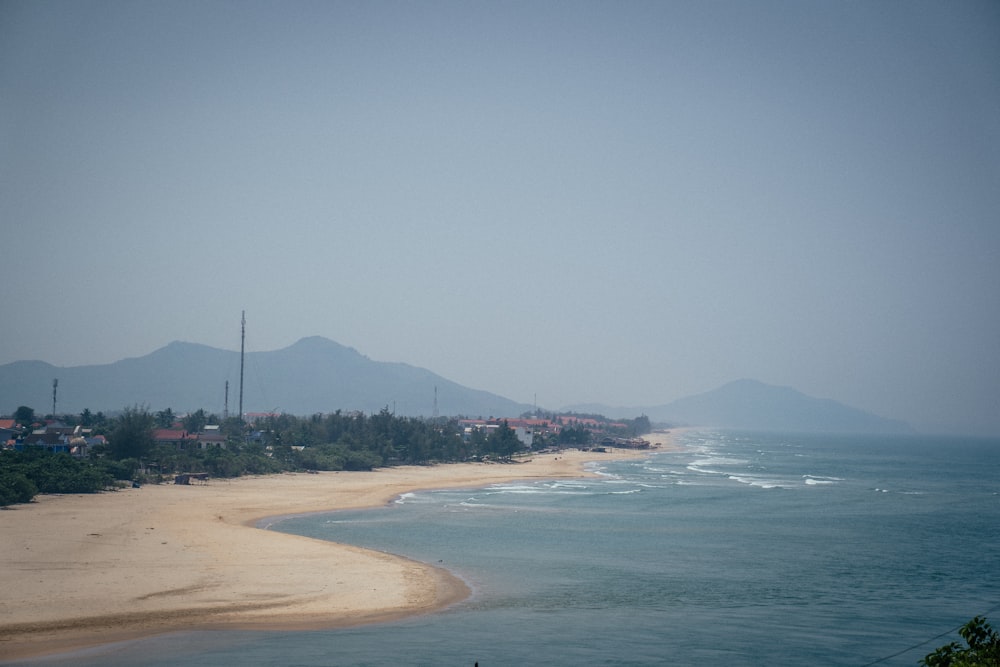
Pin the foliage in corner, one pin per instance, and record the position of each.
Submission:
(983, 648)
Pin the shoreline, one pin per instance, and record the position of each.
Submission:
(85, 570)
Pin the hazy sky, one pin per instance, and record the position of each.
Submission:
(620, 202)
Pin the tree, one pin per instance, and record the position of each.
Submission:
(574, 435)
(24, 415)
(33, 471)
(195, 421)
(165, 418)
(983, 648)
(640, 426)
(132, 436)
(503, 441)
(15, 487)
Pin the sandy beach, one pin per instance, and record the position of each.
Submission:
(82, 570)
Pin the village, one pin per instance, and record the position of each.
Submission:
(58, 437)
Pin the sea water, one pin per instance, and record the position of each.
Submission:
(739, 549)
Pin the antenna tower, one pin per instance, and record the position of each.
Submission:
(243, 338)
(225, 408)
(435, 402)
(55, 386)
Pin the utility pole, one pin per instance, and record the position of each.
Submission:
(243, 338)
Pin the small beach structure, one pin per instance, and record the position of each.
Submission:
(186, 477)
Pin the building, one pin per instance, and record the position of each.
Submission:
(59, 439)
(9, 432)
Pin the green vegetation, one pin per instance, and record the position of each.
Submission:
(278, 443)
(33, 471)
(24, 415)
(983, 648)
(132, 435)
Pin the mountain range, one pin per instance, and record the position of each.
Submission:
(753, 405)
(319, 375)
(313, 375)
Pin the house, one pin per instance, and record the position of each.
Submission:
(625, 443)
(9, 431)
(523, 429)
(96, 440)
(172, 437)
(52, 441)
(42, 438)
(210, 436)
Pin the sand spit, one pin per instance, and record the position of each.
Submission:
(82, 570)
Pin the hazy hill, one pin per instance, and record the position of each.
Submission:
(753, 405)
(318, 375)
(313, 375)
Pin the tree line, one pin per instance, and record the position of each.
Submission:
(277, 443)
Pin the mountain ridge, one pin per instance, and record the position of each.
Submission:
(753, 405)
(314, 374)
(319, 375)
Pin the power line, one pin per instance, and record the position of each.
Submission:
(927, 641)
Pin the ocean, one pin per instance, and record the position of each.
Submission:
(739, 549)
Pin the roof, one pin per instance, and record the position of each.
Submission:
(170, 434)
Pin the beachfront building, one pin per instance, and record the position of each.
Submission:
(524, 429)
(625, 443)
(173, 437)
(209, 436)
(9, 432)
(60, 439)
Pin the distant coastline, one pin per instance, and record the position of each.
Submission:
(317, 375)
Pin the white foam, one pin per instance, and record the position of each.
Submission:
(498, 488)
(403, 497)
(556, 488)
(705, 471)
(758, 482)
(566, 485)
(718, 461)
(813, 480)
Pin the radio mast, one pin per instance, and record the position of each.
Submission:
(55, 385)
(243, 338)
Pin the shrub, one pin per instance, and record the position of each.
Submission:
(15, 487)
(983, 648)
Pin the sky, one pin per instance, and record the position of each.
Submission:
(560, 202)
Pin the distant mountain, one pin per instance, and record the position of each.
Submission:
(753, 405)
(313, 375)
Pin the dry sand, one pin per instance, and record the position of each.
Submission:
(81, 570)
